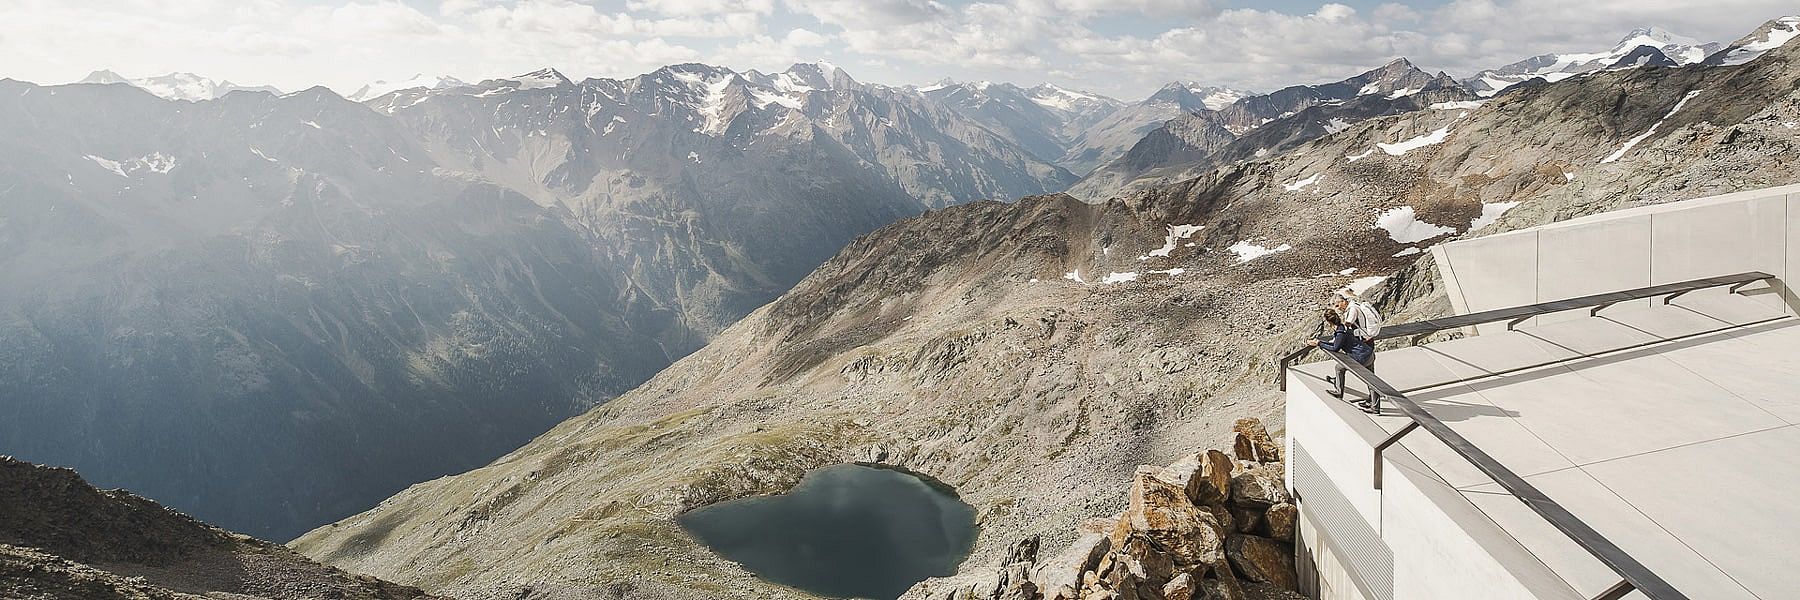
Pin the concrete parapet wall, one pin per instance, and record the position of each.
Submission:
(1757, 230)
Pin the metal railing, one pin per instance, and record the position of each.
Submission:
(1518, 314)
(1633, 575)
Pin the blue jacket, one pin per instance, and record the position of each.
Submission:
(1343, 340)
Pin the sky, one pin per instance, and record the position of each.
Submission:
(1123, 48)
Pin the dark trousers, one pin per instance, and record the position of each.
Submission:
(1374, 398)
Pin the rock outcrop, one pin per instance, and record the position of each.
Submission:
(1204, 528)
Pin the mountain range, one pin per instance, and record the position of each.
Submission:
(274, 310)
(1642, 46)
(177, 86)
(1029, 354)
(1259, 125)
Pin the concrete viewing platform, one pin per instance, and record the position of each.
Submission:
(1669, 429)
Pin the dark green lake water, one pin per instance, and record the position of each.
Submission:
(847, 531)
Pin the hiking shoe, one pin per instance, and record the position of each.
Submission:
(1335, 393)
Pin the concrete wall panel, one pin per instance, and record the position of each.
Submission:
(1491, 272)
(1704, 240)
(1592, 258)
(1791, 268)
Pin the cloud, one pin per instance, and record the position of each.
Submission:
(1122, 47)
(702, 7)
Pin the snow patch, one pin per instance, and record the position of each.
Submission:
(1074, 276)
(1172, 272)
(1397, 149)
(1357, 157)
(1119, 278)
(1403, 226)
(1408, 251)
(1247, 251)
(1301, 184)
(312, 124)
(1362, 284)
(1176, 234)
(1335, 125)
(1491, 212)
(1404, 93)
(1459, 105)
(1620, 153)
(110, 165)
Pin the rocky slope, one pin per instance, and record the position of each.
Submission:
(1032, 354)
(61, 539)
(1259, 125)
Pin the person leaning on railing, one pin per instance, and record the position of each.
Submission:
(1344, 339)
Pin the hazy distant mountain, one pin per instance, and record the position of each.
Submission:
(1629, 52)
(1258, 125)
(178, 86)
(692, 112)
(376, 89)
(272, 311)
(1112, 135)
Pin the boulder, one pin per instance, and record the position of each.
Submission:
(1015, 581)
(1222, 589)
(1260, 485)
(1179, 588)
(1247, 520)
(1263, 560)
(1280, 519)
(1161, 513)
(1059, 577)
(1206, 476)
(1253, 442)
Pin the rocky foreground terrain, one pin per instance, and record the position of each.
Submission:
(1207, 527)
(1032, 354)
(62, 539)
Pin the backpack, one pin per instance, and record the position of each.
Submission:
(1369, 322)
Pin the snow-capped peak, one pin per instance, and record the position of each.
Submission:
(1061, 99)
(542, 78)
(1677, 49)
(176, 86)
(1186, 93)
(1773, 34)
(379, 88)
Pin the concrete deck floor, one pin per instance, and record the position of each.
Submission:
(1684, 452)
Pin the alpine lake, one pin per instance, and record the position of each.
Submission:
(847, 531)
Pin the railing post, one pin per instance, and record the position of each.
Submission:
(1411, 425)
(1617, 591)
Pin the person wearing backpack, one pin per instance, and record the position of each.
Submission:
(1356, 325)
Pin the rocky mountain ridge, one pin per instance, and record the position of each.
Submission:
(1259, 125)
(1032, 354)
(62, 539)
